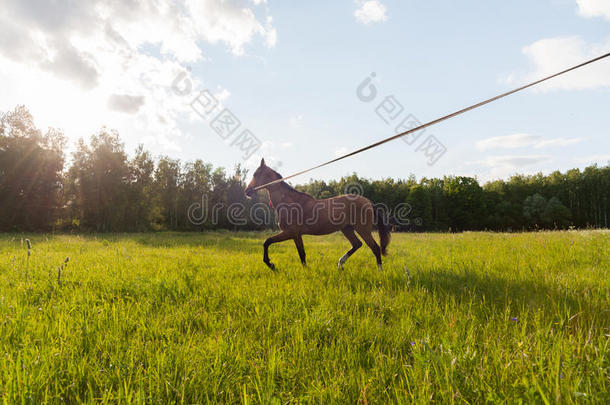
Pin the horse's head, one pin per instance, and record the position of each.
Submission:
(262, 175)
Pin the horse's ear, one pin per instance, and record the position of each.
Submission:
(263, 162)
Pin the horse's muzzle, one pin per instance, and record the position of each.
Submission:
(249, 192)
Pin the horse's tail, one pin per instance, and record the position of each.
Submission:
(383, 226)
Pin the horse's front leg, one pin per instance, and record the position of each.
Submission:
(280, 237)
(298, 241)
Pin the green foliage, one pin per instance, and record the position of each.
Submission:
(548, 213)
(105, 190)
(464, 203)
(421, 205)
(534, 208)
(198, 318)
(521, 203)
(555, 213)
(30, 172)
(99, 183)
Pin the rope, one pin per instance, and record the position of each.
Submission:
(436, 121)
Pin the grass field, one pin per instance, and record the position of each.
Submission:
(197, 318)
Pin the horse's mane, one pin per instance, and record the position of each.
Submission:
(288, 187)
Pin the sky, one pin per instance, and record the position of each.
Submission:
(299, 83)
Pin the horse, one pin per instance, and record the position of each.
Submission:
(299, 214)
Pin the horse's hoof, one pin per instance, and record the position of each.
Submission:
(270, 265)
(340, 265)
(379, 267)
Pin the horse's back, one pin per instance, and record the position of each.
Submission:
(336, 213)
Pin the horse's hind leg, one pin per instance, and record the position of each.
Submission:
(298, 241)
(367, 236)
(351, 236)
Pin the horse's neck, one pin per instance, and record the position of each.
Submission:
(279, 194)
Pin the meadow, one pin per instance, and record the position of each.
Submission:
(198, 318)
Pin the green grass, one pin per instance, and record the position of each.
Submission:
(197, 318)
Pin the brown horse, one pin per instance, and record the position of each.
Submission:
(300, 214)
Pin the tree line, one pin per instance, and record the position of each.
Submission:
(103, 189)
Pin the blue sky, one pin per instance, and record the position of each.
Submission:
(289, 72)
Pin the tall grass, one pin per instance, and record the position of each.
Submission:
(198, 318)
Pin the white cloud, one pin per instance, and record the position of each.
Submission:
(557, 142)
(514, 161)
(508, 141)
(224, 21)
(594, 8)
(551, 55)
(271, 33)
(341, 151)
(600, 159)
(505, 166)
(79, 65)
(222, 94)
(370, 11)
(125, 103)
(522, 141)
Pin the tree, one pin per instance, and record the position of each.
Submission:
(556, 214)
(196, 187)
(534, 207)
(421, 208)
(30, 172)
(106, 190)
(99, 183)
(167, 190)
(141, 204)
(464, 203)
